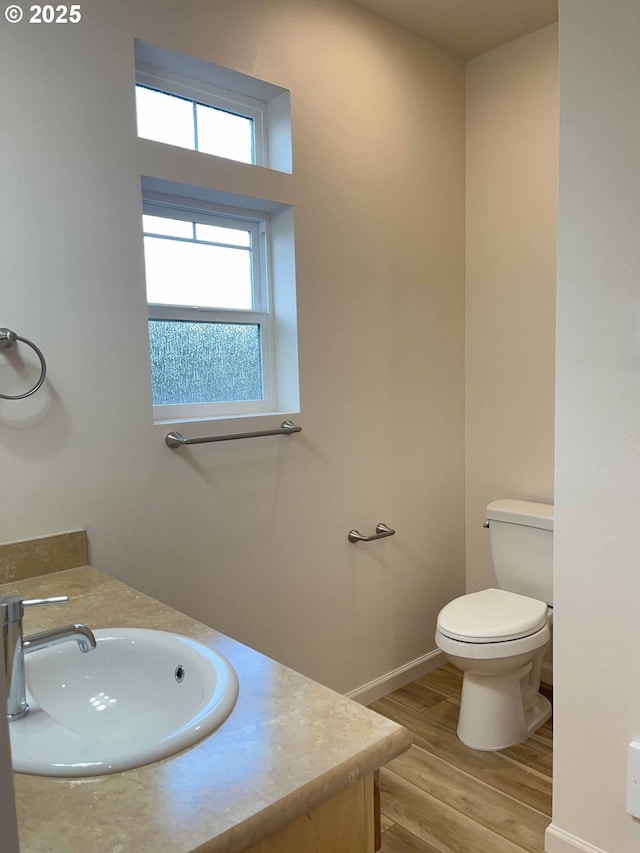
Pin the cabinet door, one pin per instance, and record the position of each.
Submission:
(342, 824)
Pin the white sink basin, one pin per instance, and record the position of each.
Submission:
(141, 695)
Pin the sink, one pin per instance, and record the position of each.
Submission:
(141, 695)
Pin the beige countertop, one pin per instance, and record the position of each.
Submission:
(288, 745)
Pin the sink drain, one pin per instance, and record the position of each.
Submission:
(179, 674)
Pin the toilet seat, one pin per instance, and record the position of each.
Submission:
(492, 616)
(493, 651)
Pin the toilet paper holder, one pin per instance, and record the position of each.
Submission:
(382, 531)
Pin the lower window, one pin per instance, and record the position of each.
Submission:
(209, 320)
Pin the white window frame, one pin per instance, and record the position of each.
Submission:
(207, 94)
(258, 223)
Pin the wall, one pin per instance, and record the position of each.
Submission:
(512, 187)
(597, 541)
(249, 537)
(8, 825)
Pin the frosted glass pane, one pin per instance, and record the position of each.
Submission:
(217, 234)
(196, 274)
(165, 118)
(204, 362)
(224, 134)
(167, 227)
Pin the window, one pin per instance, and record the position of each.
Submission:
(191, 103)
(219, 255)
(202, 117)
(209, 322)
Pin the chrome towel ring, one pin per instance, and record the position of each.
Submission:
(7, 339)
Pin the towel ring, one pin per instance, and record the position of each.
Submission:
(7, 339)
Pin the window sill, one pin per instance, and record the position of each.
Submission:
(226, 419)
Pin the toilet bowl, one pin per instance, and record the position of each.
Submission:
(498, 637)
(498, 640)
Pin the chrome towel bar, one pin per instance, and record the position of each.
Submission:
(382, 531)
(175, 439)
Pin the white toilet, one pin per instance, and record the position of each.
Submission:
(498, 637)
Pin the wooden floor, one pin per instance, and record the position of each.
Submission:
(442, 797)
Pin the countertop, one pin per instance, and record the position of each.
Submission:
(288, 746)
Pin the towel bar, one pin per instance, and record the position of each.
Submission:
(176, 439)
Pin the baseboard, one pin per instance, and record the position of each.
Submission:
(558, 841)
(397, 678)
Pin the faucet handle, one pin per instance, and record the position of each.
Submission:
(11, 605)
(37, 602)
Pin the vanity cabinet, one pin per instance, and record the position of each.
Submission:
(349, 822)
(291, 770)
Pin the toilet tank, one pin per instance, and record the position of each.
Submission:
(521, 536)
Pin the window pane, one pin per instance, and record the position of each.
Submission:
(217, 234)
(204, 362)
(197, 275)
(165, 118)
(224, 134)
(167, 227)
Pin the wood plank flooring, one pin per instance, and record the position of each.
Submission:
(442, 797)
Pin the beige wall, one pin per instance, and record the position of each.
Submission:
(512, 185)
(250, 537)
(597, 540)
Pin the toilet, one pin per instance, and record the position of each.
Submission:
(498, 637)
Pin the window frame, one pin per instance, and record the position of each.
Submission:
(259, 224)
(210, 95)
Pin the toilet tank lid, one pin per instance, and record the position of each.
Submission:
(528, 513)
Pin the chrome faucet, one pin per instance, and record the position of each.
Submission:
(16, 646)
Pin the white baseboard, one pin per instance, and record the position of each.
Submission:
(397, 678)
(558, 841)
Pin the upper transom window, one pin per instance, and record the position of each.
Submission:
(201, 117)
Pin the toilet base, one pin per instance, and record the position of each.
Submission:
(498, 711)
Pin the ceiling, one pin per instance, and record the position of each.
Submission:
(466, 27)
